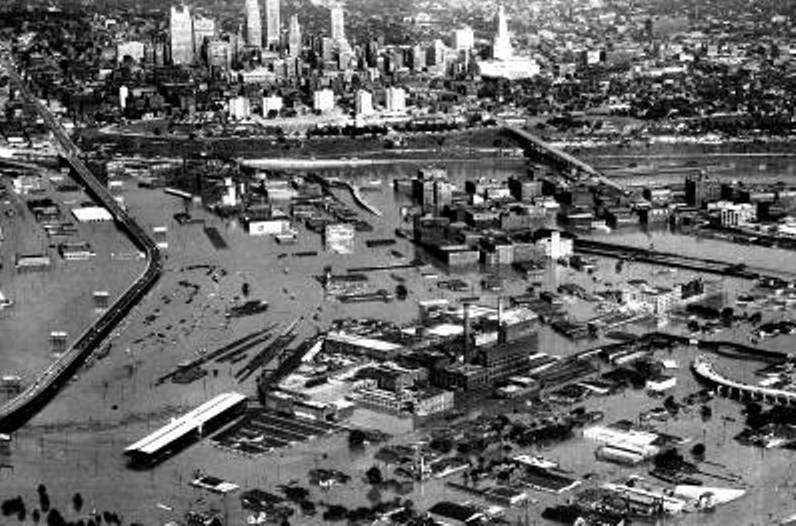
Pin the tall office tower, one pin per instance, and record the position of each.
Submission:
(501, 45)
(203, 29)
(396, 99)
(435, 55)
(338, 22)
(273, 23)
(364, 103)
(254, 26)
(181, 35)
(219, 54)
(463, 39)
(294, 37)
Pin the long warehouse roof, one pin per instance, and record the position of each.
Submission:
(185, 424)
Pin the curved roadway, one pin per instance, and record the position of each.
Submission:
(18, 410)
(705, 370)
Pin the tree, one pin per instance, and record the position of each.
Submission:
(401, 292)
(754, 415)
(698, 451)
(706, 412)
(727, 315)
(335, 513)
(54, 518)
(374, 495)
(374, 476)
(356, 438)
(442, 445)
(296, 493)
(307, 507)
(77, 502)
(44, 499)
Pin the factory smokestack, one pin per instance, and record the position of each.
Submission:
(500, 332)
(466, 332)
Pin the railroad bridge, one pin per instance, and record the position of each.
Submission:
(573, 168)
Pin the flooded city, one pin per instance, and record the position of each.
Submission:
(430, 263)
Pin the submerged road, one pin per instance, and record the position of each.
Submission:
(20, 409)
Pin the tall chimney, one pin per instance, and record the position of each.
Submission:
(500, 332)
(466, 331)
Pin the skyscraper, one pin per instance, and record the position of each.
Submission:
(203, 29)
(181, 35)
(294, 37)
(254, 26)
(218, 53)
(396, 99)
(463, 39)
(504, 64)
(501, 46)
(364, 102)
(338, 22)
(273, 23)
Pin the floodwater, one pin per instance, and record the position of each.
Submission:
(76, 442)
(61, 297)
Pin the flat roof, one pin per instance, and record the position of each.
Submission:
(446, 329)
(185, 424)
(366, 343)
(91, 213)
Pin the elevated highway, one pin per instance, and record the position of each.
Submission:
(707, 373)
(36, 395)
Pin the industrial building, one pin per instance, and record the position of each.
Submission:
(91, 214)
(350, 344)
(339, 238)
(185, 430)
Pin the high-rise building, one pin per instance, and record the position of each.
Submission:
(273, 23)
(124, 93)
(181, 35)
(254, 25)
(418, 58)
(443, 195)
(218, 54)
(338, 22)
(272, 103)
(345, 56)
(294, 37)
(239, 108)
(364, 102)
(504, 64)
(203, 29)
(327, 49)
(396, 99)
(159, 52)
(463, 39)
(323, 100)
(501, 45)
(436, 53)
(132, 49)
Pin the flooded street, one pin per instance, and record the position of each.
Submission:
(76, 442)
